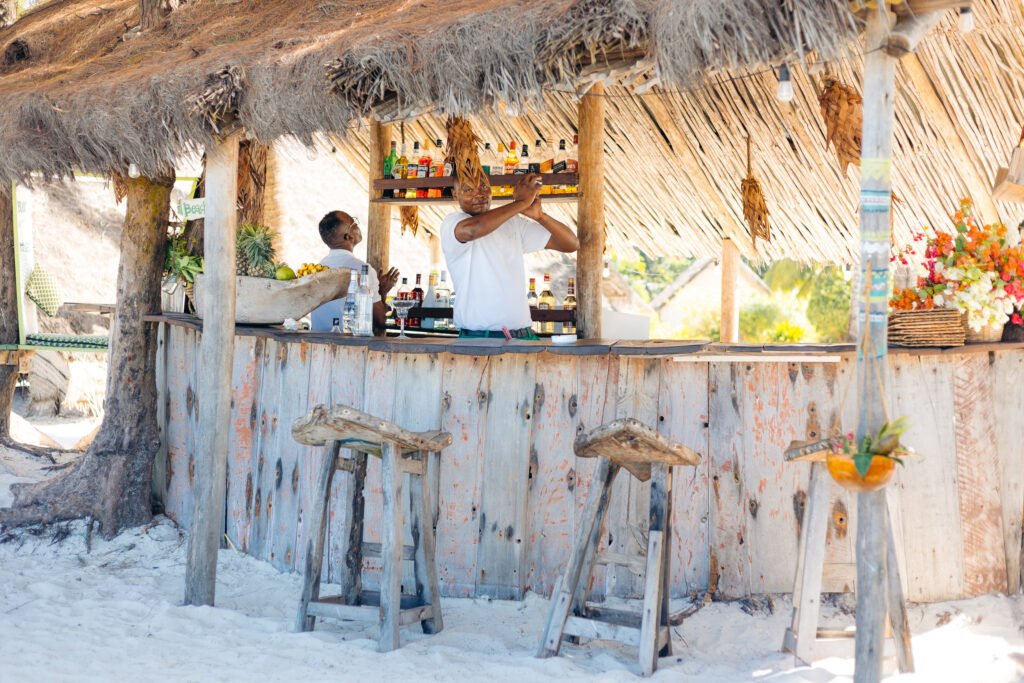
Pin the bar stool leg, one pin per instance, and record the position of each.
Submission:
(895, 605)
(666, 575)
(422, 522)
(391, 551)
(352, 568)
(654, 587)
(315, 542)
(585, 547)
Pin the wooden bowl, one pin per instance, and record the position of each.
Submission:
(842, 469)
(262, 301)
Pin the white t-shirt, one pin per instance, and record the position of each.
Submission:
(489, 274)
(322, 318)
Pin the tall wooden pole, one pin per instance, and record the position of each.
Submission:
(875, 205)
(378, 217)
(216, 351)
(730, 328)
(590, 214)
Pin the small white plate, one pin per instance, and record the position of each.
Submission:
(563, 339)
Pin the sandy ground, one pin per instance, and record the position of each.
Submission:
(114, 612)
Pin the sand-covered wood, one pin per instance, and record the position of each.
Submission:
(633, 446)
(348, 425)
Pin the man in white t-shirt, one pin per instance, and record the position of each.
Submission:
(341, 233)
(484, 249)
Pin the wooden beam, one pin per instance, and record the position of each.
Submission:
(875, 208)
(378, 216)
(909, 31)
(216, 352)
(952, 136)
(590, 216)
(730, 327)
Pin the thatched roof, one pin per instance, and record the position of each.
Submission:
(93, 94)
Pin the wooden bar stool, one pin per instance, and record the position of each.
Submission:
(646, 455)
(402, 452)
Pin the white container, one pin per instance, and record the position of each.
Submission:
(262, 301)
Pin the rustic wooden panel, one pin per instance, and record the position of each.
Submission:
(159, 483)
(597, 382)
(552, 475)
(629, 507)
(922, 388)
(1008, 399)
(347, 386)
(264, 455)
(978, 470)
(381, 382)
(501, 558)
(730, 551)
(464, 402)
(683, 417)
(245, 373)
(180, 356)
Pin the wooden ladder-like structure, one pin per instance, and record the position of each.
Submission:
(803, 637)
(402, 453)
(646, 455)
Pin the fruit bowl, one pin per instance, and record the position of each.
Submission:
(263, 301)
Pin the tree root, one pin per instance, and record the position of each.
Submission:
(28, 449)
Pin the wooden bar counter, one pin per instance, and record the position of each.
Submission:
(509, 490)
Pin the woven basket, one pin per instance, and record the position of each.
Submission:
(929, 327)
(987, 334)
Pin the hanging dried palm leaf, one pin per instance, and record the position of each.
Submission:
(410, 219)
(462, 153)
(120, 186)
(843, 111)
(755, 211)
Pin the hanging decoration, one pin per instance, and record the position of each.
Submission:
(410, 219)
(843, 111)
(755, 211)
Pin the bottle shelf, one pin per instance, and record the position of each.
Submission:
(449, 181)
(552, 198)
(558, 315)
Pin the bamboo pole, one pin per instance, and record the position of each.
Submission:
(216, 350)
(590, 216)
(378, 217)
(730, 326)
(875, 205)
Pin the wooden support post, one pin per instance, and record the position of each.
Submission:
(590, 214)
(391, 480)
(378, 217)
(730, 328)
(875, 203)
(216, 352)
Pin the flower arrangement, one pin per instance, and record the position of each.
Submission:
(972, 269)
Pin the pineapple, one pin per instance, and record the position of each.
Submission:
(255, 255)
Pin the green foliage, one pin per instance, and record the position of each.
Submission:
(649, 276)
(828, 307)
(757, 319)
(179, 263)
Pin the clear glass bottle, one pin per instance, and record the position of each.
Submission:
(364, 305)
(350, 311)
(429, 301)
(443, 299)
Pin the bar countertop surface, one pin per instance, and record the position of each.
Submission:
(584, 347)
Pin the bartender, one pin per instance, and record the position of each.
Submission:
(484, 249)
(341, 233)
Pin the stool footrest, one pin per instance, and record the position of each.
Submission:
(335, 608)
(375, 550)
(598, 629)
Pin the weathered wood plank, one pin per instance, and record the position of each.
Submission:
(501, 558)
(312, 549)
(159, 483)
(464, 402)
(1008, 394)
(318, 392)
(392, 485)
(552, 475)
(683, 417)
(241, 438)
(180, 399)
(977, 471)
(264, 455)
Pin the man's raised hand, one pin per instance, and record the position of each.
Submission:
(528, 188)
(387, 281)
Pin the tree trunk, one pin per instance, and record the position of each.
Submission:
(8, 308)
(111, 483)
(8, 12)
(154, 12)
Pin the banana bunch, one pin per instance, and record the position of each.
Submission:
(310, 269)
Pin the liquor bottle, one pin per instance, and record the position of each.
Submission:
(498, 168)
(512, 160)
(429, 301)
(403, 290)
(572, 163)
(451, 303)
(417, 294)
(349, 312)
(487, 160)
(524, 161)
(400, 168)
(532, 301)
(559, 166)
(546, 303)
(442, 299)
(533, 166)
(389, 166)
(364, 305)
(545, 160)
(423, 169)
(335, 327)
(412, 171)
(569, 304)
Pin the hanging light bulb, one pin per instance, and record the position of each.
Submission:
(133, 171)
(785, 90)
(966, 20)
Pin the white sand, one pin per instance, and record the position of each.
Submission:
(115, 614)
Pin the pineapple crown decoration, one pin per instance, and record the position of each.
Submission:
(255, 250)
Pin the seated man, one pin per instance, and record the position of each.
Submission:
(341, 233)
(484, 249)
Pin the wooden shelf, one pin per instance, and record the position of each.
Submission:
(558, 315)
(552, 198)
(449, 181)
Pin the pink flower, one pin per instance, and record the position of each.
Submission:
(1016, 319)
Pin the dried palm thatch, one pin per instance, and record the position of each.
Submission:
(843, 110)
(461, 152)
(410, 216)
(755, 211)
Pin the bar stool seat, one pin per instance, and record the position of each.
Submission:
(402, 453)
(648, 456)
